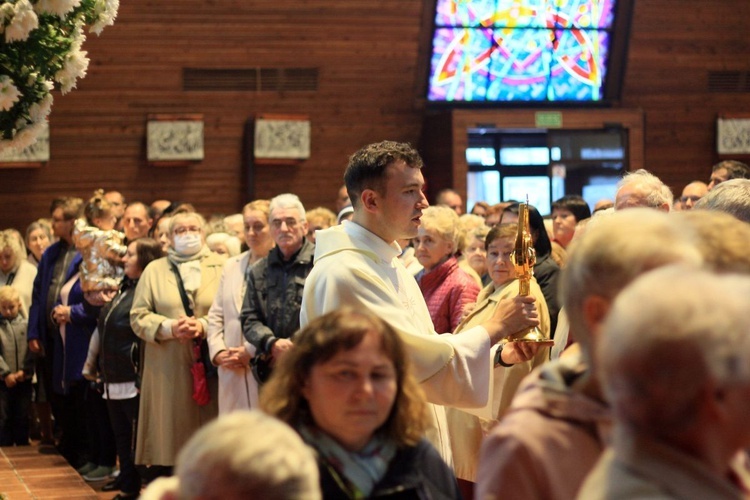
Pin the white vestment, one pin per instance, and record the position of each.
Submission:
(354, 267)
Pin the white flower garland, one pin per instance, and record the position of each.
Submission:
(40, 46)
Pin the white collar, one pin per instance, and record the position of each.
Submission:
(386, 251)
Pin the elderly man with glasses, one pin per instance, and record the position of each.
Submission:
(271, 307)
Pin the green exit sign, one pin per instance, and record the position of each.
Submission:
(548, 119)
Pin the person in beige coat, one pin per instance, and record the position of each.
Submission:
(467, 430)
(168, 414)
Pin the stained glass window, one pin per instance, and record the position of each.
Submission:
(520, 50)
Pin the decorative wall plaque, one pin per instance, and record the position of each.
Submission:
(173, 139)
(32, 156)
(733, 136)
(282, 138)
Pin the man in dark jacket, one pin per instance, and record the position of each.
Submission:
(270, 311)
(58, 264)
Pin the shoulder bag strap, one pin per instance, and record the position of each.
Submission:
(181, 288)
(188, 310)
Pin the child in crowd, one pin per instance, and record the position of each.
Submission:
(102, 248)
(16, 371)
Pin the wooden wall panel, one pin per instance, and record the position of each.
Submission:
(674, 45)
(365, 53)
(371, 68)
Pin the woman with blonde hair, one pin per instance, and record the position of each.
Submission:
(319, 218)
(346, 388)
(228, 349)
(257, 233)
(447, 288)
(15, 270)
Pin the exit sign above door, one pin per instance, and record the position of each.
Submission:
(548, 119)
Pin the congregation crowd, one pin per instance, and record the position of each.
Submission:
(373, 351)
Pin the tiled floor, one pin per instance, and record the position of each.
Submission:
(39, 472)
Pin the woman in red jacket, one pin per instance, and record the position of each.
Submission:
(447, 289)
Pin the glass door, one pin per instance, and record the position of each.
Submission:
(508, 165)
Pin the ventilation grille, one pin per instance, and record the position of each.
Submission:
(729, 81)
(251, 79)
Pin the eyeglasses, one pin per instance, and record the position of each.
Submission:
(290, 222)
(685, 199)
(187, 229)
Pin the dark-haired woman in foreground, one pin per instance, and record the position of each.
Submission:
(345, 387)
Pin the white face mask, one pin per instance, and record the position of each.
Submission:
(187, 244)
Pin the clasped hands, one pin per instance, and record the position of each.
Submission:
(187, 328)
(12, 379)
(233, 358)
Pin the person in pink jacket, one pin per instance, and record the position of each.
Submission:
(447, 289)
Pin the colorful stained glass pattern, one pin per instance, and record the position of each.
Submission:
(598, 14)
(512, 50)
(473, 13)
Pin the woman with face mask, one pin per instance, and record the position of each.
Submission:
(169, 313)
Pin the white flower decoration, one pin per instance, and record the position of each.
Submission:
(30, 66)
(6, 12)
(27, 136)
(60, 8)
(76, 65)
(107, 12)
(40, 110)
(9, 93)
(24, 22)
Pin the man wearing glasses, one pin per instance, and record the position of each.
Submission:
(692, 193)
(271, 307)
